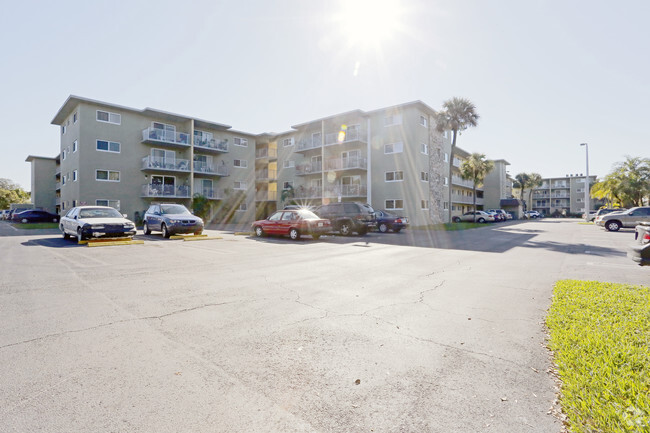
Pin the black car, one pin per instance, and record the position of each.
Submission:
(171, 219)
(640, 250)
(348, 217)
(35, 216)
(386, 221)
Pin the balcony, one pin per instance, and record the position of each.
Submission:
(346, 164)
(58, 186)
(211, 145)
(154, 163)
(560, 185)
(560, 195)
(167, 191)
(266, 175)
(211, 194)
(164, 137)
(308, 144)
(309, 168)
(266, 153)
(459, 181)
(310, 192)
(266, 196)
(346, 191)
(457, 162)
(347, 137)
(202, 168)
(463, 199)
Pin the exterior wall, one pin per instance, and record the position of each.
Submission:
(43, 195)
(562, 194)
(495, 186)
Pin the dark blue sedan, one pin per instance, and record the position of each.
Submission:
(35, 216)
(387, 221)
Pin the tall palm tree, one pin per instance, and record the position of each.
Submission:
(534, 181)
(475, 168)
(521, 181)
(457, 115)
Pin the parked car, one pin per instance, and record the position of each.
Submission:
(498, 217)
(348, 217)
(503, 215)
(84, 222)
(630, 218)
(386, 221)
(13, 212)
(35, 216)
(640, 250)
(481, 217)
(600, 213)
(293, 223)
(592, 215)
(171, 219)
(532, 214)
(5, 214)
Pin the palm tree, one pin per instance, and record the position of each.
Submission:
(457, 115)
(475, 168)
(534, 181)
(521, 181)
(633, 175)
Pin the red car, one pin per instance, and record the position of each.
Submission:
(294, 222)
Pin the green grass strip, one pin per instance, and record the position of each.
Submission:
(451, 227)
(32, 226)
(600, 335)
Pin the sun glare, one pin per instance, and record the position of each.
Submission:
(369, 23)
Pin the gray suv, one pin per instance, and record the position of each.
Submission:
(629, 218)
(171, 219)
(348, 217)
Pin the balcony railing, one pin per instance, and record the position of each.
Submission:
(459, 181)
(58, 186)
(309, 168)
(346, 191)
(159, 163)
(308, 144)
(217, 145)
(310, 192)
(457, 198)
(457, 162)
(346, 164)
(266, 153)
(266, 196)
(347, 137)
(171, 191)
(158, 136)
(560, 185)
(209, 193)
(201, 167)
(266, 174)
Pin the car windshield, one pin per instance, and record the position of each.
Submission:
(368, 208)
(99, 212)
(174, 209)
(307, 215)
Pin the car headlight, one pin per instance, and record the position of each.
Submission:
(97, 227)
(174, 221)
(128, 226)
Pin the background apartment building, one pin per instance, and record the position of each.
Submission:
(562, 195)
(392, 158)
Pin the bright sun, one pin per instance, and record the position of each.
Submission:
(369, 23)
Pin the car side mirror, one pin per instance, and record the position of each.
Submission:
(124, 215)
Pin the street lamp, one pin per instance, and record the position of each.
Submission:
(586, 182)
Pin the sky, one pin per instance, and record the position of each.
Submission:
(545, 76)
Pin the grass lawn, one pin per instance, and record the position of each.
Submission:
(32, 226)
(450, 227)
(600, 336)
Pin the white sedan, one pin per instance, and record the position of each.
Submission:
(480, 217)
(84, 222)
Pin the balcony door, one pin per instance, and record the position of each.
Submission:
(163, 158)
(163, 185)
(350, 158)
(316, 163)
(351, 185)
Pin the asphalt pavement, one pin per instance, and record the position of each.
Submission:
(410, 332)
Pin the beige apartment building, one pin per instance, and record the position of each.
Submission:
(562, 195)
(392, 158)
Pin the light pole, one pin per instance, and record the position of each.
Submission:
(586, 182)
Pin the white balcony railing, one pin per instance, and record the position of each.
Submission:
(201, 167)
(156, 135)
(346, 191)
(219, 145)
(266, 153)
(346, 163)
(266, 196)
(307, 144)
(309, 168)
(212, 194)
(161, 163)
(171, 191)
(266, 174)
(346, 137)
(309, 192)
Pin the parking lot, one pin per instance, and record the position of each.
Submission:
(410, 332)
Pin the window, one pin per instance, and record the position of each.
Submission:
(107, 175)
(424, 176)
(74, 117)
(393, 148)
(424, 148)
(63, 154)
(580, 200)
(395, 119)
(63, 180)
(446, 134)
(74, 146)
(63, 128)
(289, 164)
(446, 157)
(111, 203)
(105, 116)
(445, 205)
(241, 142)
(241, 163)
(74, 203)
(423, 121)
(74, 176)
(580, 190)
(239, 185)
(108, 146)
(394, 176)
(287, 184)
(424, 204)
(394, 204)
(446, 180)
(287, 142)
(242, 207)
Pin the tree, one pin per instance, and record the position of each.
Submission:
(534, 181)
(11, 192)
(520, 182)
(627, 185)
(287, 194)
(201, 207)
(475, 168)
(457, 115)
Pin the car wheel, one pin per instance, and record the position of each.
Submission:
(316, 237)
(383, 228)
(396, 230)
(65, 235)
(146, 229)
(164, 230)
(613, 226)
(480, 220)
(259, 232)
(80, 237)
(456, 219)
(294, 234)
(345, 229)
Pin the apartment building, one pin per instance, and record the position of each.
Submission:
(392, 158)
(562, 195)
